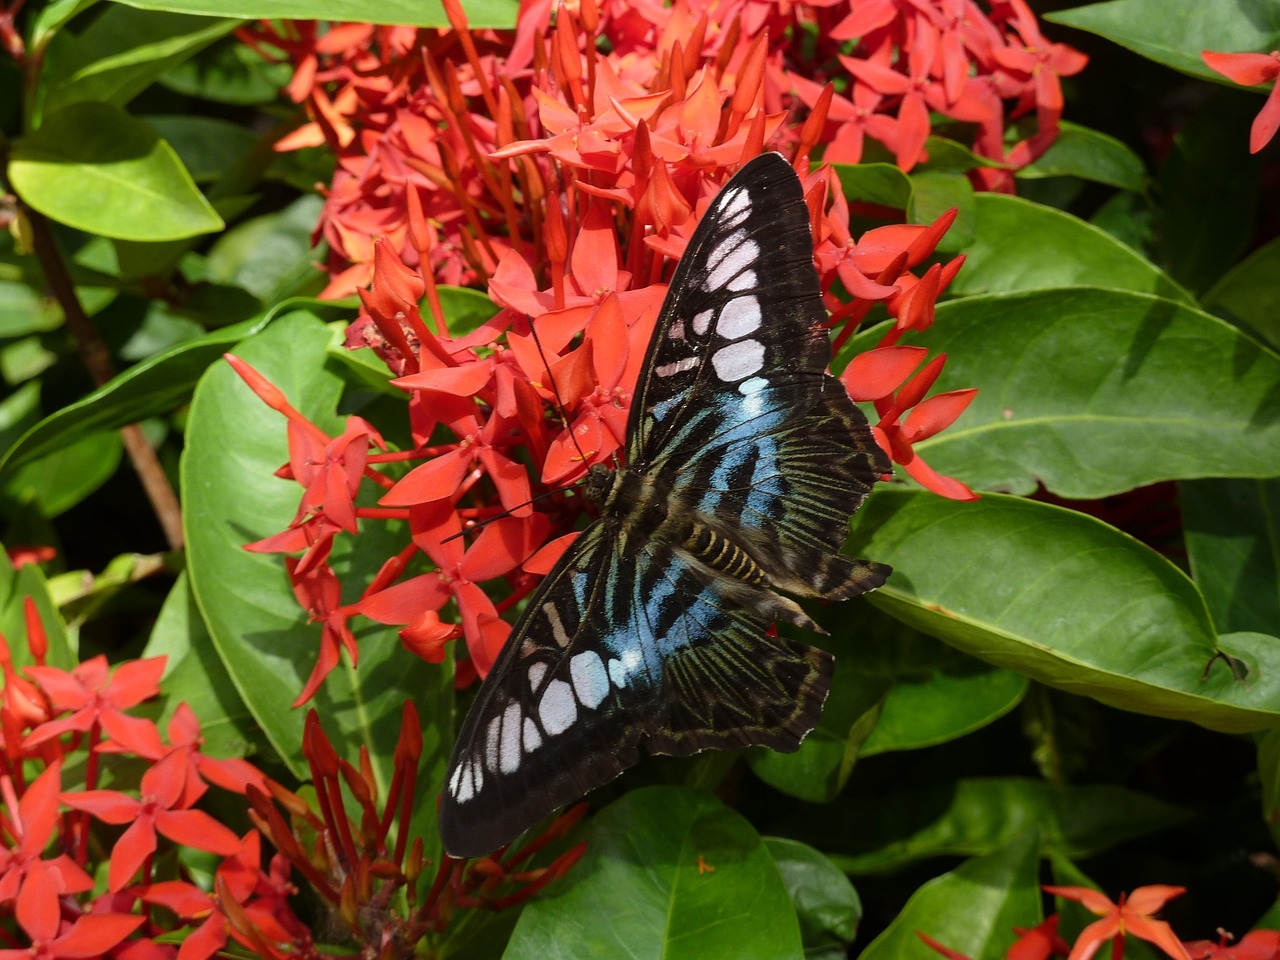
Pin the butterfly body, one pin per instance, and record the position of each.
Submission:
(745, 460)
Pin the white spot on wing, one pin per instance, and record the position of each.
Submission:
(702, 323)
(537, 670)
(736, 206)
(492, 743)
(736, 361)
(740, 316)
(455, 781)
(618, 673)
(557, 709)
(557, 627)
(509, 750)
(590, 681)
(676, 330)
(746, 280)
(532, 738)
(679, 366)
(734, 254)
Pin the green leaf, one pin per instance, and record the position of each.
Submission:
(881, 183)
(229, 72)
(1233, 546)
(428, 13)
(64, 477)
(24, 311)
(150, 388)
(1147, 28)
(95, 168)
(194, 675)
(968, 817)
(122, 51)
(207, 146)
(973, 909)
(16, 585)
(1206, 221)
(1094, 392)
(668, 873)
(825, 902)
(1089, 155)
(1020, 245)
(936, 192)
(235, 443)
(1068, 601)
(941, 695)
(268, 255)
(1248, 294)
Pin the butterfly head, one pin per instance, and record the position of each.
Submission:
(598, 484)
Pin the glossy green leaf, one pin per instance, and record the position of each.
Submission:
(1127, 217)
(94, 167)
(1089, 155)
(945, 697)
(1146, 28)
(1248, 293)
(1067, 600)
(973, 909)
(121, 52)
(668, 873)
(82, 594)
(1094, 392)
(1206, 221)
(268, 255)
(229, 72)
(24, 311)
(50, 17)
(194, 675)
(207, 146)
(231, 497)
(65, 476)
(16, 585)
(880, 183)
(150, 388)
(825, 902)
(1232, 534)
(1020, 245)
(935, 193)
(969, 817)
(428, 13)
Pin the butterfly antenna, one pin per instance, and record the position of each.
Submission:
(480, 524)
(561, 412)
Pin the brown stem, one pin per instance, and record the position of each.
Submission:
(97, 360)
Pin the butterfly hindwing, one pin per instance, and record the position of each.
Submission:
(745, 460)
(613, 653)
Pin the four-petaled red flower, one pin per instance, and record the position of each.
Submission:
(1133, 915)
(158, 810)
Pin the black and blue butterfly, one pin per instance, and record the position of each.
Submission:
(744, 461)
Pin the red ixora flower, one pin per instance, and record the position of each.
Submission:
(1250, 70)
(1133, 915)
(157, 810)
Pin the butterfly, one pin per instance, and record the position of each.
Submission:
(744, 461)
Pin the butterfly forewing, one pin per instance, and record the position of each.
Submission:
(745, 461)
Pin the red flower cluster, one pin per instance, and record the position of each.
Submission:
(568, 179)
(396, 105)
(366, 869)
(54, 721)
